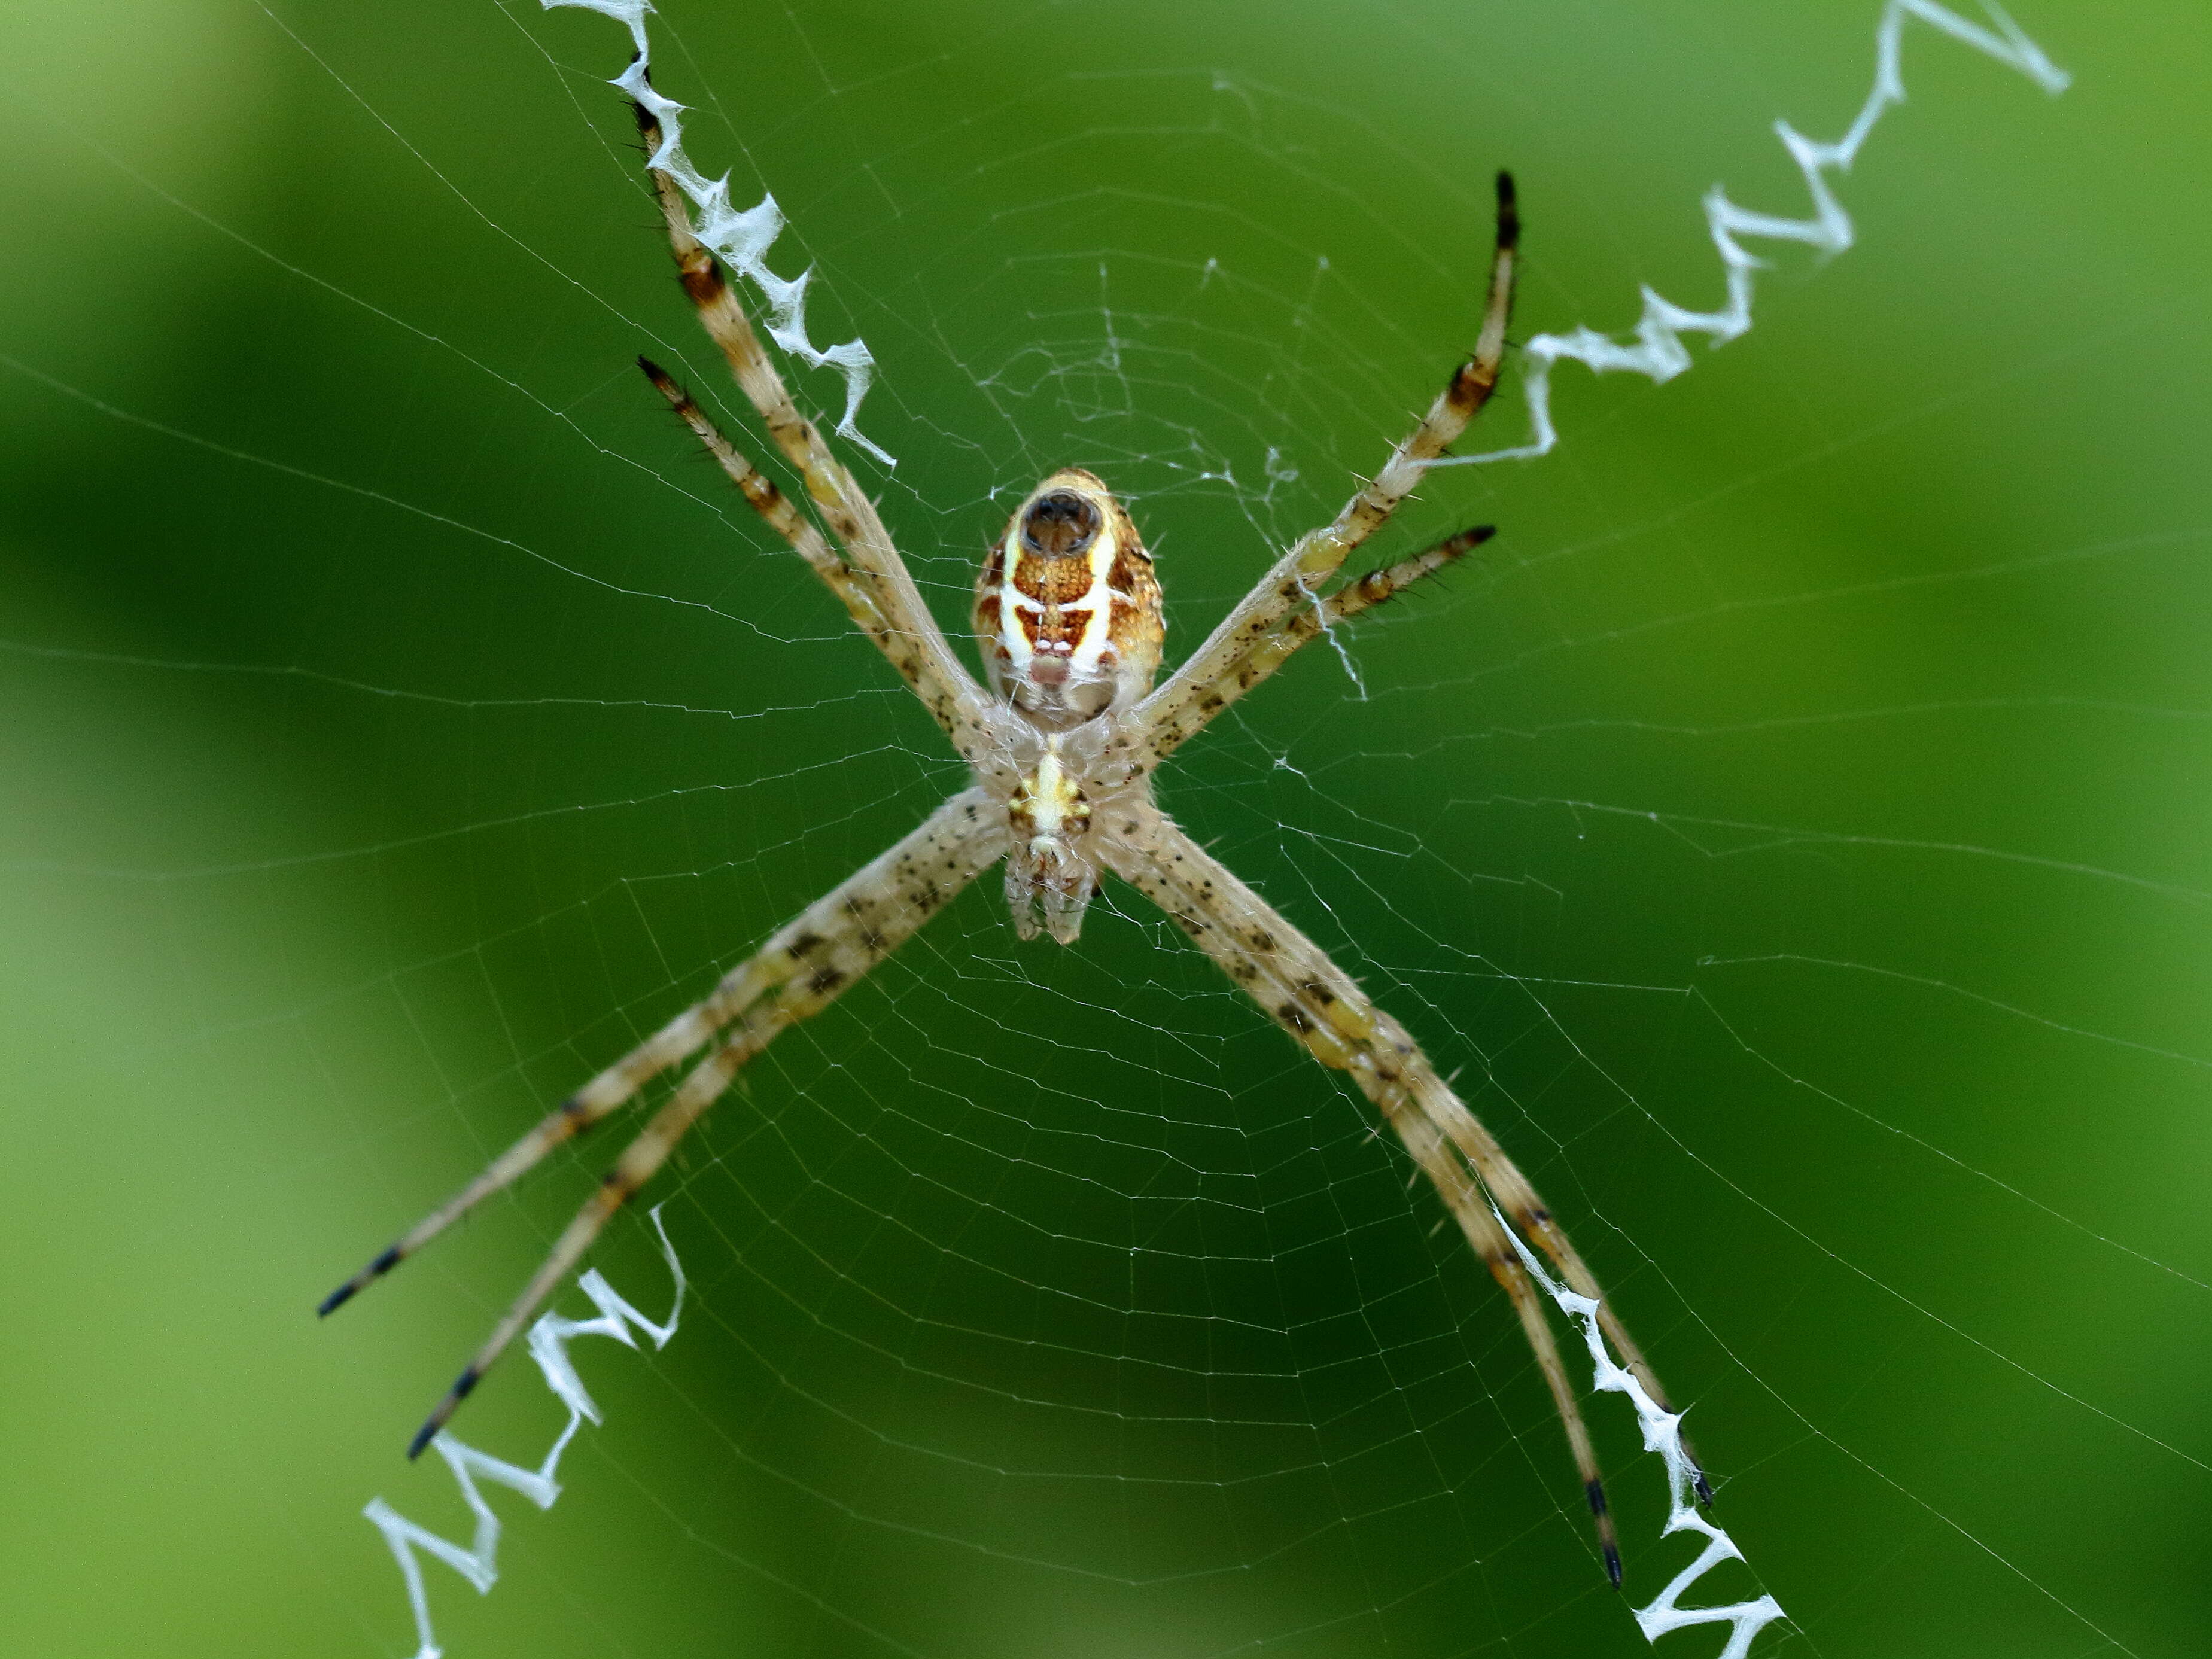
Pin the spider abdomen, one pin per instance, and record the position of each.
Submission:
(1067, 610)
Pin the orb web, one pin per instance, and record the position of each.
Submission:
(1043, 1300)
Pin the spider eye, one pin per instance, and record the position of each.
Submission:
(1060, 525)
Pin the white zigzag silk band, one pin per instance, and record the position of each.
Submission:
(477, 1560)
(1657, 349)
(1663, 1433)
(742, 239)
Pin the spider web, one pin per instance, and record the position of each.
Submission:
(1790, 835)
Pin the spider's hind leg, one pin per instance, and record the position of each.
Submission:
(640, 1161)
(1298, 986)
(805, 966)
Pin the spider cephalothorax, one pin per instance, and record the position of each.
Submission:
(1061, 750)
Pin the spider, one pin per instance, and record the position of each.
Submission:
(1062, 749)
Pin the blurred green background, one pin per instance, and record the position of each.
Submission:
(1796, 835)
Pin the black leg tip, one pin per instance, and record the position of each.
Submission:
(1595, 1490)
(462, 1385)
(344, 1293)
(1703, 1487)
(1509, 210)
(678, 399)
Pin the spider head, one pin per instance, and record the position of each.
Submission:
(1067, 611)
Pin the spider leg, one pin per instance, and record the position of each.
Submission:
(1380, 587)
(1294, 982)
(1184, 719)
(800, 971)
(1295, 579)
(905, 630)
(859, 925)
(805, 537)
(640, 1161)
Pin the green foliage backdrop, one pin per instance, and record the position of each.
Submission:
(1799, 832)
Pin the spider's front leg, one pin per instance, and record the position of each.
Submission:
(1298, 986)
(1175, 723)
(805, 966)
(1224, 667)
(858, 559)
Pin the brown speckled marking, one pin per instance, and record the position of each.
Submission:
(1052, 580)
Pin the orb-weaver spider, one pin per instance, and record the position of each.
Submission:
(1062, 748)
